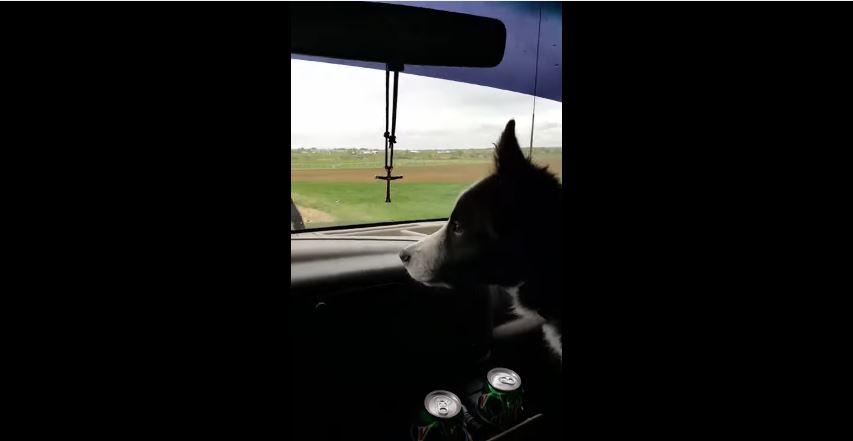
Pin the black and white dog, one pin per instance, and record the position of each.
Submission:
(506, 231)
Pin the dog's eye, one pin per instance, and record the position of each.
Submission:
(457, 227)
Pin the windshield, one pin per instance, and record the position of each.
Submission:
(445, 131)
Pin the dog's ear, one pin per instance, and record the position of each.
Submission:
(508, 155)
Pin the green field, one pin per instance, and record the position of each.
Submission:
(302, 159)
(337, 187)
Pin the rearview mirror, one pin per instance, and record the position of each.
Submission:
(395, 34)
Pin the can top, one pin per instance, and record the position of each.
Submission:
(442, 404)
(503, 379)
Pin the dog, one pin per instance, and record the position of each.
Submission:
(504, 231)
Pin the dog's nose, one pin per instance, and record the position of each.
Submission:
(405, 256)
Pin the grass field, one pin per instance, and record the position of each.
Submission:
(337, 187)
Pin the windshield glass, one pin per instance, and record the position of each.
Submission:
(445, 131)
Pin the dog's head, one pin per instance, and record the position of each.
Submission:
(498, 228)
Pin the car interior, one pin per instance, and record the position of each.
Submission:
(368, 341)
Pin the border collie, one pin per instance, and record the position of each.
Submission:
(506, 231)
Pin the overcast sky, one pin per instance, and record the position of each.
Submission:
(343, 106)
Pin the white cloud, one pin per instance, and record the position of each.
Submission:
(344, 106)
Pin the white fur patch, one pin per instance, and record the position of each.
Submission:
(552, 335)
(517, 307)
(425, 257)
(554, 339)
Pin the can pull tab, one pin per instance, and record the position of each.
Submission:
(506, 379)
(442, 406)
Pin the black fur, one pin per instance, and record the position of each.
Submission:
(507, 229)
